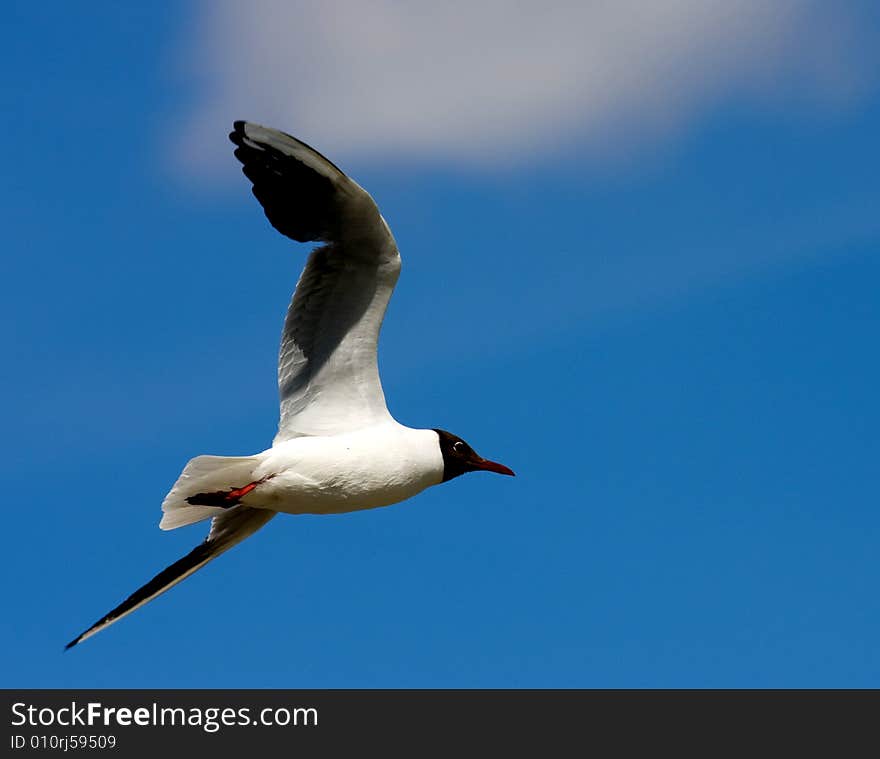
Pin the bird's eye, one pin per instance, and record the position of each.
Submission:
(458, 447)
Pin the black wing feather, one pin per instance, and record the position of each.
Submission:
(297, 200)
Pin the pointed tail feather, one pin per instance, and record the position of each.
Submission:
(227, 530)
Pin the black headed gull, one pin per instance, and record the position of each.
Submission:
(337, 448)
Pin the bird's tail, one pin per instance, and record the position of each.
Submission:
(207, 486)
(228, 529)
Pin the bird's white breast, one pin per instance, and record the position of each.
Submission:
(373, 467)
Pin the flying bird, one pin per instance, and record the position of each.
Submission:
(337, 449)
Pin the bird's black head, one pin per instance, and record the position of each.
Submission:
(459, 457)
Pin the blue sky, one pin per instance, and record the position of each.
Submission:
(658, 304)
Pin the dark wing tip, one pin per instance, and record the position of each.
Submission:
(298, 200)
(167, 578)
(104, 620)
(237, 133)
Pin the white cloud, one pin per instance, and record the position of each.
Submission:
(487, 82)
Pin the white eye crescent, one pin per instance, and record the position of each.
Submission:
(458, 447)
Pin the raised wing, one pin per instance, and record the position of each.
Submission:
(328, 376)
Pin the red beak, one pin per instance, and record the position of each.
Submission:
(492, 466)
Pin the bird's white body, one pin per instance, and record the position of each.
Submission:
(372, 467)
